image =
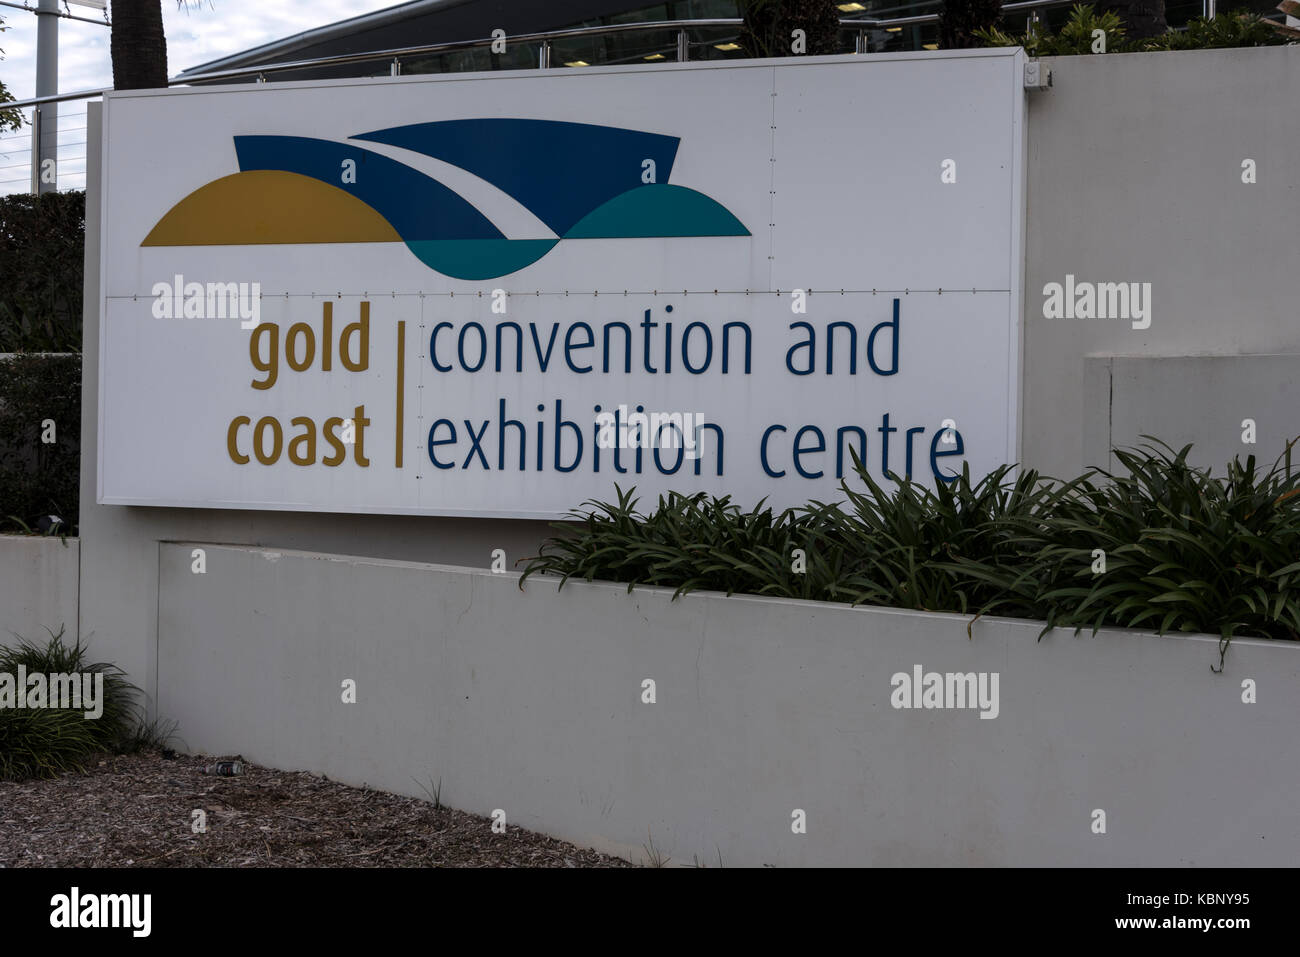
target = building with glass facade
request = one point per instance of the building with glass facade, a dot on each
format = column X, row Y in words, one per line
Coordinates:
column 427, row 22
column 600, row 34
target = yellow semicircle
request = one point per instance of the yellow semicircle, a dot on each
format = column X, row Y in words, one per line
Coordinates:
column 261, row 207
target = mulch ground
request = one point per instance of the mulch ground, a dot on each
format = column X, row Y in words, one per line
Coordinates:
column 137, row 811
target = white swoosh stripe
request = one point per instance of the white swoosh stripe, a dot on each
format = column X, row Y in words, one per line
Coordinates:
column 505, row 212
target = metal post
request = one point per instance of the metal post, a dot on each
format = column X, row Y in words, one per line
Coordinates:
column 397, row 67
column 45, row 137
column 683, row 47
column 544, row 55
column 860, row 42
column 36, row 157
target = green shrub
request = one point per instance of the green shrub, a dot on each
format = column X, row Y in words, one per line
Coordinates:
column 43, row 742
column 1075, row 36
column 42, row 252
column 693, row 541
column 38, row 479
column 9, row 119
column 1239, row 28
column 1184, row 550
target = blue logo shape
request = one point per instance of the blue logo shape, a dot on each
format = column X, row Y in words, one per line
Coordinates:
column 581, row 181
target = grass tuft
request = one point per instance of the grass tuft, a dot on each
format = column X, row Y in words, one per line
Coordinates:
column 45, row 742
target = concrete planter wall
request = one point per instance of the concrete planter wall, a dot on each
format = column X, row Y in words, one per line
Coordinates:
column 38, row 586
column 532, row 702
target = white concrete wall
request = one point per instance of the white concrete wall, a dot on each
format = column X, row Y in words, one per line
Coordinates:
column 1134, row 174
column 1203, row 400
column 531, row 702
column 38, row 586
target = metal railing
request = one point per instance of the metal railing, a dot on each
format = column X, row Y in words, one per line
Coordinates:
column 866, row 33
column 63, row 140
column 28, row 8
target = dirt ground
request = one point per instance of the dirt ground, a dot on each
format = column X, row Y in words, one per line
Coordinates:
column 138, row 811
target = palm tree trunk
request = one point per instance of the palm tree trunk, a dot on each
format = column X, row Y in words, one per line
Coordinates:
column 138, row 45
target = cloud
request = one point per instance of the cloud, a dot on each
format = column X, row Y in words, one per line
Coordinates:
column 201, row 32
column 204, row 31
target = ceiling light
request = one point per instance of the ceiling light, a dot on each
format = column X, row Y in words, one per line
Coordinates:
column 655, row 56
column 577, row 63
column 850, row 7
column 728, row 47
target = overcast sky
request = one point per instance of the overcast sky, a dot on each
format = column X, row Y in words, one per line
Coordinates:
column 206, row 31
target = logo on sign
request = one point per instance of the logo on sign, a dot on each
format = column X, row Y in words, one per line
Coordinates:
column 571, row 181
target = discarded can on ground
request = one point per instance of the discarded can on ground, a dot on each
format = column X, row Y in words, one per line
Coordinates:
column 226, row 769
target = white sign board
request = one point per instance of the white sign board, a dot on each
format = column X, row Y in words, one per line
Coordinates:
column 501, row 294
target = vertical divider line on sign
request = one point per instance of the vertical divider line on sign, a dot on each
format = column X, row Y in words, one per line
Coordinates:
column 401, row 388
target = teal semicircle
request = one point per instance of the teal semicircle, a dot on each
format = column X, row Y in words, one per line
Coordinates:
column 471, row 259
column 657, row 210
